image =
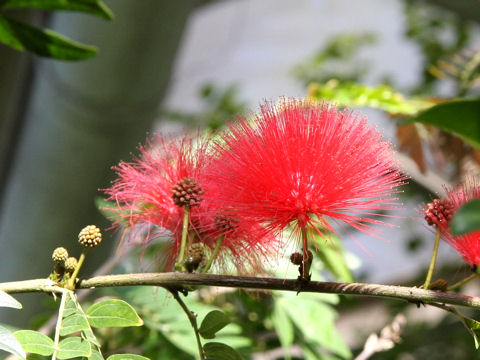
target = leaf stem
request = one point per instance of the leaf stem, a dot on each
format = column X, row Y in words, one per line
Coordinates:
column 462, row 282
column 186, row 215
column 433, row 260
column 214, row 254
column 59, row 324
column 193, row 320
column 71, row 281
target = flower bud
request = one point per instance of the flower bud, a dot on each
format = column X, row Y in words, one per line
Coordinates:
column 60, row 255
column 187, row 193
column 90, row 236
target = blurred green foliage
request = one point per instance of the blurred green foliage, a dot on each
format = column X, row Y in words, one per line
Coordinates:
column 352, row 94
column 438, row 33
column 44, row 42
column 220, row 105
column 335, row 60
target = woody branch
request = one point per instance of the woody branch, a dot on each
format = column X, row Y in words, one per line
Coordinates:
column 173, row 280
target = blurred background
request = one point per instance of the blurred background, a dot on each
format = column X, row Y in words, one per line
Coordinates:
column 166, row 66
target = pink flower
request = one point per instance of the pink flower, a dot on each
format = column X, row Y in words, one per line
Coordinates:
column 149, row 204
column 300, row 164
column 440, row 212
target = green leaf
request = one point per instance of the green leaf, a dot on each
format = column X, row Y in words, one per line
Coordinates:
column 467, row 218
column 35, row 357
column 35, row 342
column 90, row 336
column 460, row 117
column 113, row 312
column 305, row 311
column 473, row 327
column 162, row 313
column 94, row 7
column 96, row 354
column 73, row 347
column 8, row 301
column 127, row 357
column 212, row 323
column 71, row 305
column 330, row 251
column 380, row 97
column 9, row 343
column 42, row 42
column 74, row 323
column 219, row 351
column 282, row 323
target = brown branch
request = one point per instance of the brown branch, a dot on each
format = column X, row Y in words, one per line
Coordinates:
column 169, row 280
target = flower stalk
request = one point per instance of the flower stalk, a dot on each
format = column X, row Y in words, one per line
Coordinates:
column 307, row 257
column 71, row 281
column 462, row 282
column 218, row 244
column 186, row 217
column 433, row 260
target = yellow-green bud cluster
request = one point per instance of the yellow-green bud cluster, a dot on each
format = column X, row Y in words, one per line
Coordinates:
column 60, row 255
column 70, row 264
column 90, row 236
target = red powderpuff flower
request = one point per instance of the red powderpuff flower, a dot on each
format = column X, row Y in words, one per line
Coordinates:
column 300, row 163
column 441, row 211
column 149, row 202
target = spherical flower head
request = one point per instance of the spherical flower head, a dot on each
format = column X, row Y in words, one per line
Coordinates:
column 60, row 255
column 70, row 264
column 90, row 236
column 187, row 192
column 439, row 212
column 467, row 245
column 301, row 163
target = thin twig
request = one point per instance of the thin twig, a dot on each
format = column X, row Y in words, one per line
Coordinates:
column 462, row 282
column 389, row 336
column 192, row 318
column 169, row 280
